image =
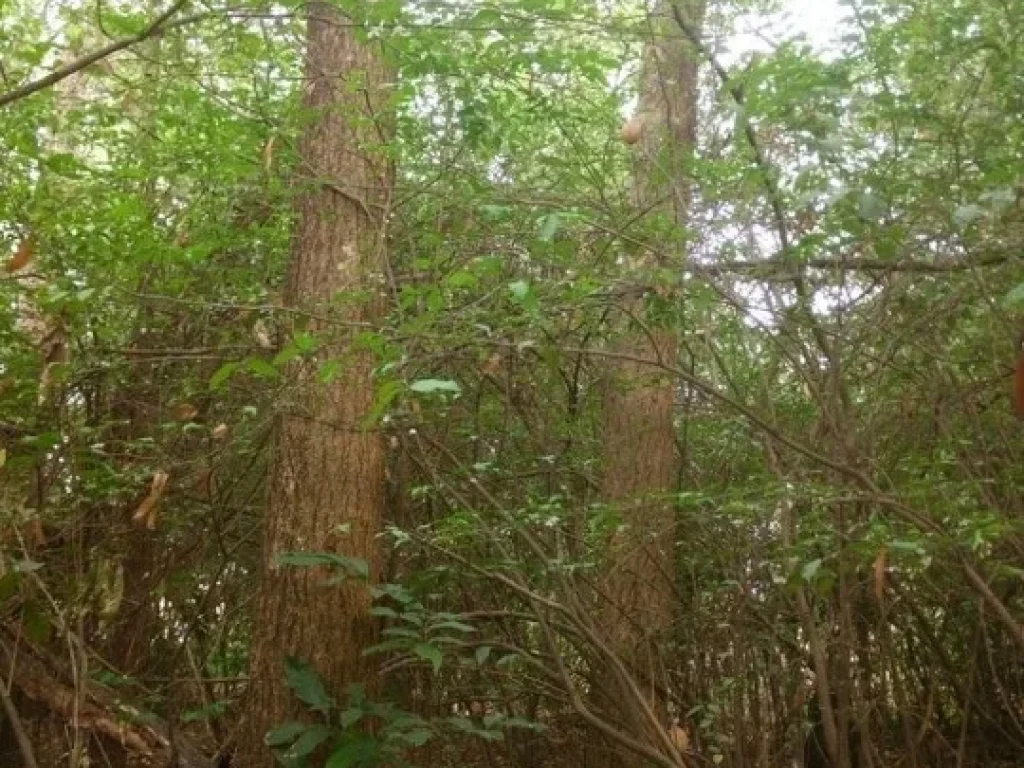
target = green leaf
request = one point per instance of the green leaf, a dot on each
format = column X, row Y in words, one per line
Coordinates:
column 35, row 621
column 458, row 626
column 482, row 653
column 286, row 355
column 352, row 565
column 520, row 289
column 350, row 717
column 306, row 684
column 397, row 644
column 908, row 546
column 385, row 395
column 285, row 733
column 810, row 569
column 261, row 368
column 871, row 207
column 430, row 653
column 461, row 279
column 416, row 737
column 549, row 227
column 9, row 584
column 310, row 739
column 359, row 750
column 329, row 371
column 211, row 711
column 430, row 386
column 1014, row 298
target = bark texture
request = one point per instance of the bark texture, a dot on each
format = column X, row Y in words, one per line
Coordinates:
column 638, row 431
column 327, row 471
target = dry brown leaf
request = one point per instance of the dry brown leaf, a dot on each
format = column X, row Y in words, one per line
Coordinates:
column 23, row 256
column 679, row 737
column 185, row 411
column 632, row 130
column 146, row 512
column 878, row 574
column 219, row 432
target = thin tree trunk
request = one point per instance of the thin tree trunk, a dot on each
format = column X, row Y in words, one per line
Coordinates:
column 327, row 476
column 638, row 430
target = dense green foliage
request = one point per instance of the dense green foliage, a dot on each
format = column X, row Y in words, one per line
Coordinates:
column 847, row 297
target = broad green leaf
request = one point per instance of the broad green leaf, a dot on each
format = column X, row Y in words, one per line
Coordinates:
column 416, row 737
column 307, row 742
column 359, row 750
column 458, row 626
column 350, row 717
column 285, row 733
column 261, row 368
column 429, row 652
column 306, row 684
column 352, row 565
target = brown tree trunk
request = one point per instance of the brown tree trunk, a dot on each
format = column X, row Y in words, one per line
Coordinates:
column 638, row 430
column 327, row 476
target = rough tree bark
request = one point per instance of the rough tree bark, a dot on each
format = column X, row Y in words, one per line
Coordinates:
column 638, row 432
column 327, row 475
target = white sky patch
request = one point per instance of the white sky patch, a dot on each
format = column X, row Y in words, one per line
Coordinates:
column 819, row 21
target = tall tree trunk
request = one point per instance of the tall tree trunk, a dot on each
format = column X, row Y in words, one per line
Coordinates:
column 638, row 431
column 327, row 475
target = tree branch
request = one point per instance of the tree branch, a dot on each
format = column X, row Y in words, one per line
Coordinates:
column 158, row 26
column 782, row 267
column 24, row 743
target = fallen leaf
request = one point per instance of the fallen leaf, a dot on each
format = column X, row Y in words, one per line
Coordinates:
column 219, row 432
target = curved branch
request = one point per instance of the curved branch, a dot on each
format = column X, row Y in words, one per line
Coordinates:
column 156, row 27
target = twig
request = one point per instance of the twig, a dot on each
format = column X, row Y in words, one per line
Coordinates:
column 24, row 745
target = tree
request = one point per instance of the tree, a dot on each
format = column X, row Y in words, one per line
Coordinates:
column 327, row 469
column 638, row 443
